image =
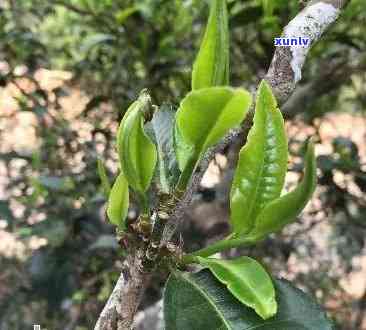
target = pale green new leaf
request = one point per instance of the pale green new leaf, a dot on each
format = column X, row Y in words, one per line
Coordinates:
column 199, row 301
column 211, row 67
column 205, row 116
column 284, row 210
column 247, row 280
column 184, row 151
column 118, row 202
column 122, row 15
column 137, row 153
column 103, row 178
column 262, row 164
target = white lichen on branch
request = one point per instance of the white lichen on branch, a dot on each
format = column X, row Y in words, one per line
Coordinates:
column 285, row 70
column 283, row 75
column 311, row 23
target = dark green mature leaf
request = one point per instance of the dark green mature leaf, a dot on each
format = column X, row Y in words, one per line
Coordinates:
column 262, row 164
column 211, row 67
column 205, row 116
column 118, row 202
column 199, row 301
column 285, row 209
column 163, row 126
column 137, row 153
column 247, row 280
column 103, row 178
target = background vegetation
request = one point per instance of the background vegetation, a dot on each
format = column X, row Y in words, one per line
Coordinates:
column 69, row 69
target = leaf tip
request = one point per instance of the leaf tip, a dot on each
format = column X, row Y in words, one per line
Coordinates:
column 270, row 310
column 246, row 96
column 265, row 92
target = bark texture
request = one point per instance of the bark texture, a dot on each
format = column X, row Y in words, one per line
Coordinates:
column 285, row 70
column 119, row 311
column 283, row 75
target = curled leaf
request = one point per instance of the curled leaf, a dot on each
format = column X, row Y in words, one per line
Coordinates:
column 262, row 164
column 118, row 202
column 247, row 281
column 284, row 210
column 211, row 67
column 137, row 153
column 204, row 117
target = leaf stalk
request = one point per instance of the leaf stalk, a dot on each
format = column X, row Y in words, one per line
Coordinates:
column 217, row 247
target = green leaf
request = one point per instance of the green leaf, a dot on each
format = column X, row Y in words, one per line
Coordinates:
column 284, row 210
column 118, row 202
column 247, row 280
column 205, row 116
column 199, row 301
column 105, row 242
column 95, row 40
column 122, row 15
column 163, row 124
column 103, row 178
column 137, row 153
column 183, row 151
column 262, row 164
column 211, row 67
column 268, row 7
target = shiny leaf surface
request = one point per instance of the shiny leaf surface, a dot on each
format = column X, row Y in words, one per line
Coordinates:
column 247, row 280
column 284, row 210
column 199, row 301
column 118, row 202
column 207, row 115
column 262, row 164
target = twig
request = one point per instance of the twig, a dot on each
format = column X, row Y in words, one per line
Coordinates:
column 286, row 67
column 283, row 75
column 119, row 311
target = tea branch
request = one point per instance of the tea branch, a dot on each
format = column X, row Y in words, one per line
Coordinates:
column 287, row 63
column 283, row 75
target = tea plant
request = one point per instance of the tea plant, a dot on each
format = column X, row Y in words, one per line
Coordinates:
column 159, row 151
